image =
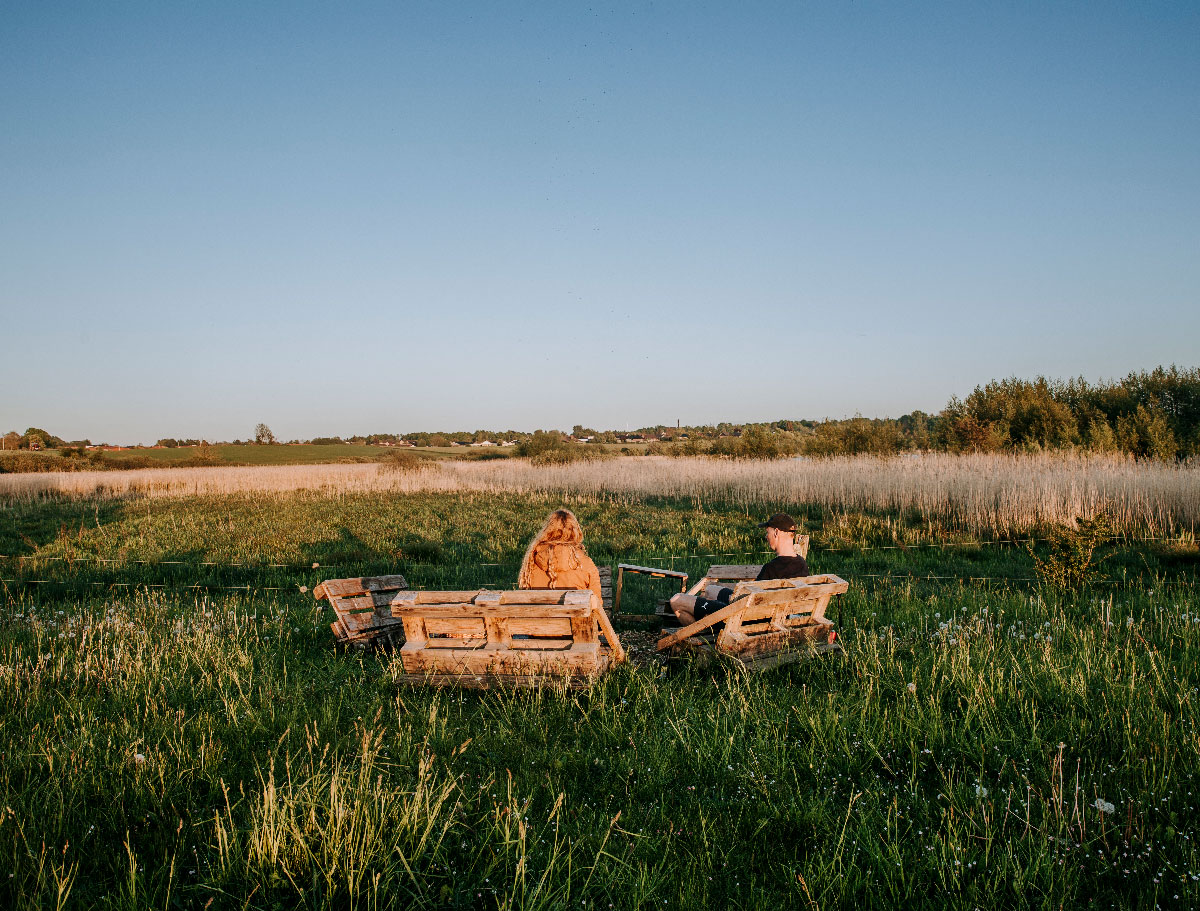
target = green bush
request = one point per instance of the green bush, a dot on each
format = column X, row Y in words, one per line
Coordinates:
column 1072, row 561
column 541, row 441
column 23, row 461
column 549, row 448
column 403, row 461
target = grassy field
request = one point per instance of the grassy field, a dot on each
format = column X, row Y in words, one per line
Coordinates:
column 299, row 454
column 178, row 732
column 310, row 454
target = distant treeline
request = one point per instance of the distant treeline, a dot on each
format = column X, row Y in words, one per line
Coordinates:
column 1153, row 415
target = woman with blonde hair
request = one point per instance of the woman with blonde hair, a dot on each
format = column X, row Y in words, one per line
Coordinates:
column 556, row 558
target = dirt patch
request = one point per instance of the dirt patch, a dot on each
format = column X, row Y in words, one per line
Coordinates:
column 640, row 645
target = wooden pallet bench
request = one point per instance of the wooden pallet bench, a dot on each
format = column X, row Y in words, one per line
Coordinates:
column 651, row 571
column 363, row 608
column 765, row 623
column 516, row 638
column 732, row 573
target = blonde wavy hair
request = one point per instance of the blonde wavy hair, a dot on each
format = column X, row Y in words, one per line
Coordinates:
column 562, row 528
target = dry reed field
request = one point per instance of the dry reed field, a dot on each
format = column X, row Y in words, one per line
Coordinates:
column 1004, row 494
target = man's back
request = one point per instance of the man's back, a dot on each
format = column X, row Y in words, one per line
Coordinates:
column 783, row 568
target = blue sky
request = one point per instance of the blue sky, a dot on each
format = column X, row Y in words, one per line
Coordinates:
column 341, row 218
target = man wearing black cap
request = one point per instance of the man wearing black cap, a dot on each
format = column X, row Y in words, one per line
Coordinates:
column 781, row 538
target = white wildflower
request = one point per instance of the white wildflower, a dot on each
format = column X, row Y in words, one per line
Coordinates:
column 1104, row 806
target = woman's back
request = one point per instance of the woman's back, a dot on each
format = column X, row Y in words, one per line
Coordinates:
column 556, row 557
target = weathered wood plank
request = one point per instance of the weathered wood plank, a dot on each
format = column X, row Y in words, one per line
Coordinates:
column 456, row 642
column 469, row 627
column 499, row 681
column 343, row 587
column 492, row 660
column 540, row 626
column 542, row 642
column 472, row 610
column 739, row 573
column 610, row 636
column 535, row 596
column 653, row 571
column 606, row 586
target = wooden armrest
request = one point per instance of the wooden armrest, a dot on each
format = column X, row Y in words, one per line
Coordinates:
column 700, row 625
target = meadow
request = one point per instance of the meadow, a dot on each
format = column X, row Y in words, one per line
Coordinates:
column 227, row 454
column 1003, row 494
column 179, row 732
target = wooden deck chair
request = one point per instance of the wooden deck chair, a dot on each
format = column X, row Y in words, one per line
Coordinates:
column 765, row 623
column 362, row 608
column 519, row 638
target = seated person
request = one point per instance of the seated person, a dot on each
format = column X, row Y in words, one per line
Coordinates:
column 556, row 558
column 781, row 538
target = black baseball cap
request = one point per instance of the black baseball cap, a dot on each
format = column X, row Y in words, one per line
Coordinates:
column 780, row 520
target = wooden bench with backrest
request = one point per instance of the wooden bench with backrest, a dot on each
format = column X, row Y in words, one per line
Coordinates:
column 363, row 608
column 522, row 638
column 733, row 573
column 765, row 623
column 741, row 573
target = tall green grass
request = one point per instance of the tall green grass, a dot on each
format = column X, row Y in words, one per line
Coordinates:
column 983, row 743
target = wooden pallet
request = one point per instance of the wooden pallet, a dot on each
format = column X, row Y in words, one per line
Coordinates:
column 732, row 574
column 606, row 586
column 518, row 638
column 765, row 623
column 363, row 607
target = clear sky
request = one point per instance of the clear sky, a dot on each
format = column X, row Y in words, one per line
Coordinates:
column 384, row 217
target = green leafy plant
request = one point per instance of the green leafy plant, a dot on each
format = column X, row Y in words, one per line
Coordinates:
column 403, row 461
column 1072, row 561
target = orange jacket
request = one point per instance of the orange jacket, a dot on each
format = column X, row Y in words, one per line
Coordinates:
column 560, row 566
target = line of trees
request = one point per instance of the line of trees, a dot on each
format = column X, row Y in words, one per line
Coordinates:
column 35, row 438
column 1149, row 414
column 1153, row 414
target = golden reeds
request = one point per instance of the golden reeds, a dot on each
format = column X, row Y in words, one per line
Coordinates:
column 1002, row 493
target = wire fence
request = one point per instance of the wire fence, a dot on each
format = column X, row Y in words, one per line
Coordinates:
column 672, row 559
column 875, row 577
column 367, row 558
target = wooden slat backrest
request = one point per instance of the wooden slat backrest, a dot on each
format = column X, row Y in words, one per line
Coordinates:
column 741, row 572
column 775, row 610
column 784, row 604
column 362, row 605
column 505, row 632
column 337, row 588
